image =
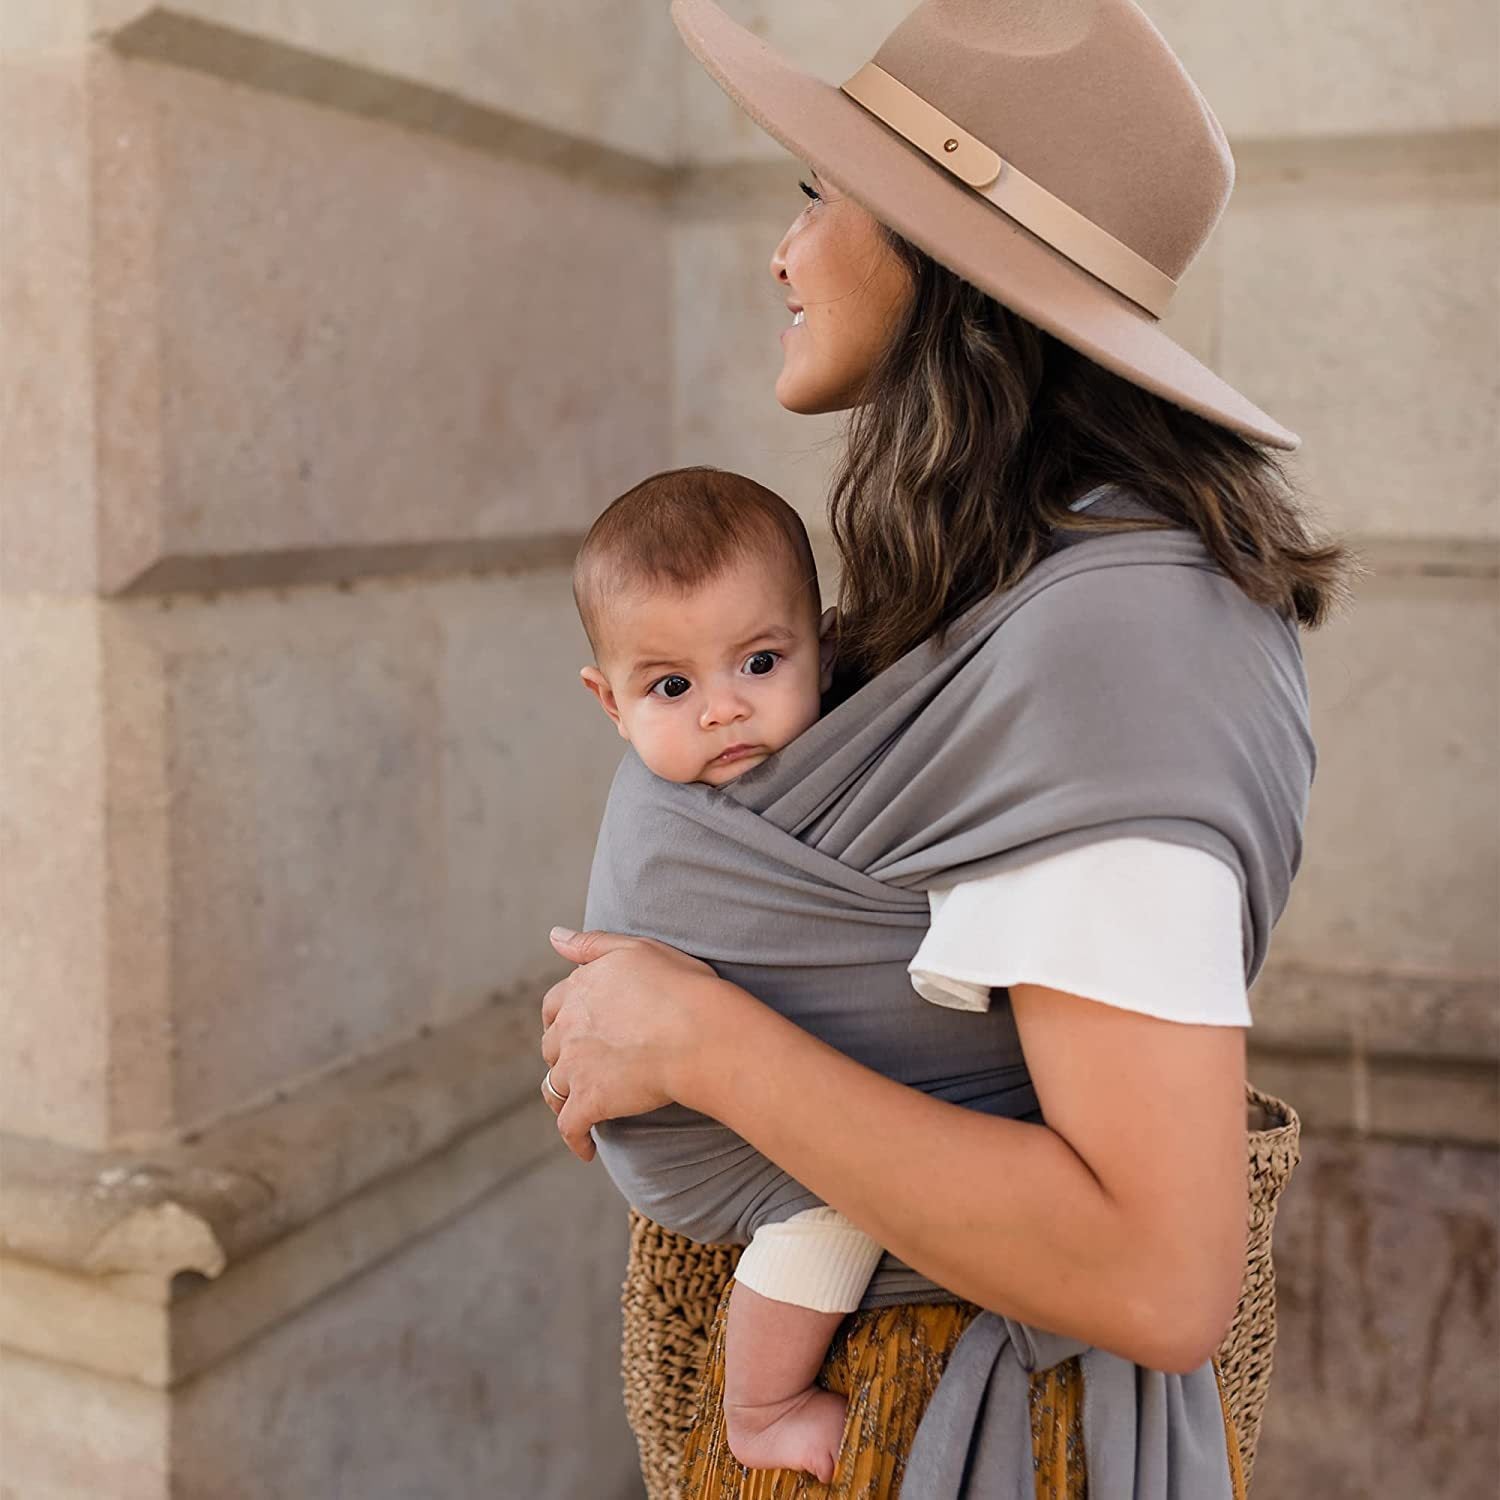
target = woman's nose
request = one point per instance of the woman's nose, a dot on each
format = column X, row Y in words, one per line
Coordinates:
column 778, row 259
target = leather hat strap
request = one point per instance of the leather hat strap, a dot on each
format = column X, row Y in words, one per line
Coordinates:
column 1028, row 203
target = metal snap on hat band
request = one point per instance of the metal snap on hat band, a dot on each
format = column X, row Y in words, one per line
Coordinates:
column 1030, row 204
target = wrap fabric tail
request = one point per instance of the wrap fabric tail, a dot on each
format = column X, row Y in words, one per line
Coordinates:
column 1135, row 1423
column 1125, row 687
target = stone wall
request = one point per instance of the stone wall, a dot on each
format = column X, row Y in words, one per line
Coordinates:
column 320, row 352
column 305, row 406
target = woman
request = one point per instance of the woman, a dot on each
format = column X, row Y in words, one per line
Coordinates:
column 992, row 327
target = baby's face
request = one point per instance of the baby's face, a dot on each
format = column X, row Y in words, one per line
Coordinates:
column 707, row 684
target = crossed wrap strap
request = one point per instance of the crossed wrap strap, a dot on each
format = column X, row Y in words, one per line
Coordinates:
column 1125, row 687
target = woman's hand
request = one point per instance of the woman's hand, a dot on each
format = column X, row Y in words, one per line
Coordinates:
column 621, row 1028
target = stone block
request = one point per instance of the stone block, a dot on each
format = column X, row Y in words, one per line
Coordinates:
column 46, row 381
column 1360, row 306
column 317, row 803
column 727, row 351
column 1451, row 1102
column 54, row 1026
column 359, row 338
column 528, row 756
column 298, row 828
column 599, row 72
column 482, row 1360
column 1386, row 1363
column 31, row 29
column 1400, row 870
column 1288, row 69
column 66, row 1432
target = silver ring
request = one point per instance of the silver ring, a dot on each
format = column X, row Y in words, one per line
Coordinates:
column 551, row 1089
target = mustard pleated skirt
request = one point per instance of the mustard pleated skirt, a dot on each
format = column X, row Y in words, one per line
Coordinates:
column 887, row 1363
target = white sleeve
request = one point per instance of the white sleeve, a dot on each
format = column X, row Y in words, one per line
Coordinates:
column 815, row 1259
column 1137, row 923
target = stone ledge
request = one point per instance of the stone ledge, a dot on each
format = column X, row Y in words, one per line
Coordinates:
column 300, row 567
column 1331, row 160
column 154, row 1210
column 1410, row 1018
column 153, row 1264
column 168, row 36
column 1391, row 1056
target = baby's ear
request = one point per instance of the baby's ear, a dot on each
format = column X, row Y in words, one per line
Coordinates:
column 827, row 648
column 598, row 684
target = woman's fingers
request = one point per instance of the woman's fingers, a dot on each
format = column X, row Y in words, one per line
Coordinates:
column 552, row 1002
column 553, row 1104
column 573, row 1125
column 585, row 947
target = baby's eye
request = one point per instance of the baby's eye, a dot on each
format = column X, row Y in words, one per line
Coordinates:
column 670, row 687
column 811, row 192
column 762, row 662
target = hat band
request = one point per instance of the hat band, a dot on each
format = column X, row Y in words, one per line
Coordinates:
column 1069, row 232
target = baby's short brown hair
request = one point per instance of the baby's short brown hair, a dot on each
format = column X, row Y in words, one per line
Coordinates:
column 679, row 530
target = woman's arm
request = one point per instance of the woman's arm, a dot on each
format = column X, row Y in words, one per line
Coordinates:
column 1121, row 1221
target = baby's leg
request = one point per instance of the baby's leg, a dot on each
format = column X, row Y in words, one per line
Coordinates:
column 775, row 1417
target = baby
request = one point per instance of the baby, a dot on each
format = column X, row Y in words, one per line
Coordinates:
column 699, row 596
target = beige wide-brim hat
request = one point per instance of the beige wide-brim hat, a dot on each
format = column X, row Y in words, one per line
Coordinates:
column 1054, row 153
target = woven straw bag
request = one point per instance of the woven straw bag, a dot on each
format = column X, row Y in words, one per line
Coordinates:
column 673, row 1286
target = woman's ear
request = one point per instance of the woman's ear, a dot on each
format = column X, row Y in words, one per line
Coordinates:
column 598, row 684
column 827, row 648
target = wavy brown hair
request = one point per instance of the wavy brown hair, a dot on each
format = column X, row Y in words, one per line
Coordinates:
column 977, row 428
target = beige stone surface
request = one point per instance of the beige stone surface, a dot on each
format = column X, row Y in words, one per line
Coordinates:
column 434, row 349
column 462, row 1363
column 318, row 808
column 30, row 29
column 1284, row 68
column 1275, row 70
column 67, row 1433
column 602, row 72
column 726, row 347
column 54, row 1023
column 398, row 1125
column 46, row 257
column 1386, row 1364
column 482, row 1360
column 1360, row 305
column 53, row 1315
column 527, row 758
column 301, row 823
column 1399, row 869
column 1378, row 1012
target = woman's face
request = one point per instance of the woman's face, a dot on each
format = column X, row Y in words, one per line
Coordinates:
column 836, row 269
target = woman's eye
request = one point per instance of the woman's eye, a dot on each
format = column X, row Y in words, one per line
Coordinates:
column 670, row 687
column 762, row 662
column 811, row 192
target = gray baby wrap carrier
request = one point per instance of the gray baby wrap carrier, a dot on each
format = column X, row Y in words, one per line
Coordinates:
column 1125, row 687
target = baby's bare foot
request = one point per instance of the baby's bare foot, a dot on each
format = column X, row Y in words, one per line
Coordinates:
column 802, row 1432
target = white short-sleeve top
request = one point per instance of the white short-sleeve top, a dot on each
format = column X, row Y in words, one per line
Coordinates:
column 1138, row 923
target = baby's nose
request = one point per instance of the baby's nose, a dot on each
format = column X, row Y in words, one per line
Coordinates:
column 724, row 706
